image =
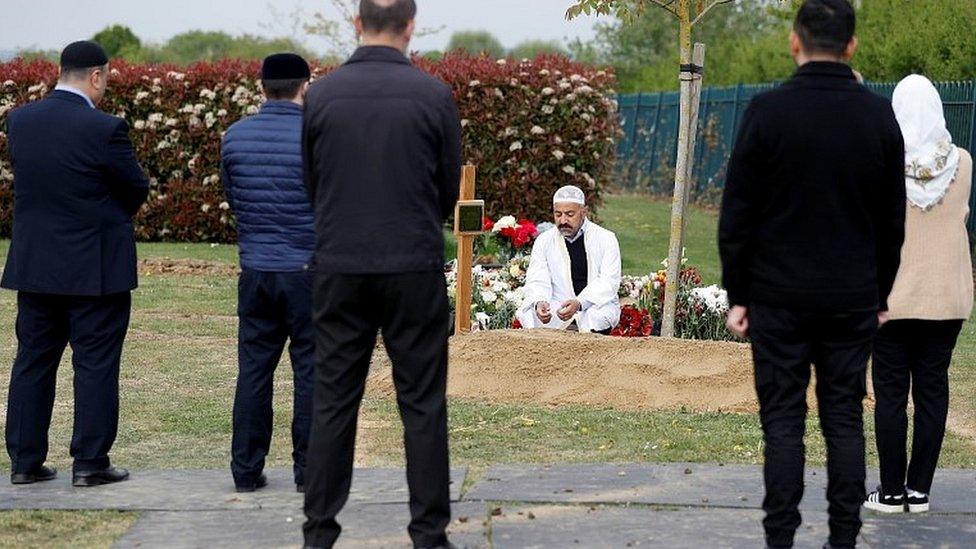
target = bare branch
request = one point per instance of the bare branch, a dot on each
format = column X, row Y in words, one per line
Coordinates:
column 667, row 5
column 708, row 9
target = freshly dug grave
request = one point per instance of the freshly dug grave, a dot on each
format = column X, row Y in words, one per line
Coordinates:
column 165, row 265
column 546, row 367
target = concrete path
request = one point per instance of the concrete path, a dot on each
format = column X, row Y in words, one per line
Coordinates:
column 558, row 506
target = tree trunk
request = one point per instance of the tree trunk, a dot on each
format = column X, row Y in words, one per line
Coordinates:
column 679, row 199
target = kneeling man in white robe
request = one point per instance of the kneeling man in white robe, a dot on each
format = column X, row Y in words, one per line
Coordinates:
column 574, row 272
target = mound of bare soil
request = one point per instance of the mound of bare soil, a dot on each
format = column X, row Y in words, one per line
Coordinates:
column 548, row 367
column 165, row 265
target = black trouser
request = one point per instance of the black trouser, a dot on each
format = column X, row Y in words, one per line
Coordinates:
column 412, row 312
column 916, row 354
column 95, row 327
column 273, row 308
column 784, row 344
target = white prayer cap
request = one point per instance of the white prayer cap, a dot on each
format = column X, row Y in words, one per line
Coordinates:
column 570, row 193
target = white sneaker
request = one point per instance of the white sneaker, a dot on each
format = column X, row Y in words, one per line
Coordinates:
column 881, row 503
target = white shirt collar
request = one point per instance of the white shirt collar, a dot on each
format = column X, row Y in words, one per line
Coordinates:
column 76, row 91
column 579, row 233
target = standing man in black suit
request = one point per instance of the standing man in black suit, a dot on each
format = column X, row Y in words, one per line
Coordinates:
column 382, row 149
column 810, row 236
column 72, row 260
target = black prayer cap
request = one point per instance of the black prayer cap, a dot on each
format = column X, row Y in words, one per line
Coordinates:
column 83, row 55
column 284, row 66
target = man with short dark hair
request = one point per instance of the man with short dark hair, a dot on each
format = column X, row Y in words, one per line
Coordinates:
column 810, row 236
column 382, row 151
column 261, row 167
column 72, row 260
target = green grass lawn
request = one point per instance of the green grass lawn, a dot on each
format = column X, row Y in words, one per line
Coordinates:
column 643, row 227
column 179, row 371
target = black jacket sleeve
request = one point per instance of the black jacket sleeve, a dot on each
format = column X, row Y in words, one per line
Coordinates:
column 889, row 218
column 449, row 166
column 308, row 146
column 128, row 182
column 225, row 180
column 740, row 209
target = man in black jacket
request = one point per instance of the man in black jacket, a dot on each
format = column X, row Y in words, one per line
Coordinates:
column 810, row 235
column 382, row 150
column 72, row 260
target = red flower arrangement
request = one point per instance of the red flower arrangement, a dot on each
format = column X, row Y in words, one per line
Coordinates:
column 521, row 234
column 634, row 322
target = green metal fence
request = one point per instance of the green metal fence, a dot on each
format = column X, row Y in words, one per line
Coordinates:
column 650, row 122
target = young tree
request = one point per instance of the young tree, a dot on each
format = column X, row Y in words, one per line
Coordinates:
column 688, row 13
column 745, row 45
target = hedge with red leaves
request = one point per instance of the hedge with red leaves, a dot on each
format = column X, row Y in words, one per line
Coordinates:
column 529, row 127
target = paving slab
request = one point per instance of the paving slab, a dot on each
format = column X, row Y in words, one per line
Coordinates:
column 544, row 526
column 735, row 486
column 953, row 491
column 919, row 531
column 681, row 484
column 561, row 526
column 364, row 525
column 201, row 490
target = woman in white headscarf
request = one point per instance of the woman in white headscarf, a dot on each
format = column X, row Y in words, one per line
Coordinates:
column 932, row 297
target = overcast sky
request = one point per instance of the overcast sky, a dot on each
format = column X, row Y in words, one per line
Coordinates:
column 51, row 24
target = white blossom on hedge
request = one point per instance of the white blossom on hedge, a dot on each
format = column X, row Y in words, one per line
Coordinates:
column 516, row 146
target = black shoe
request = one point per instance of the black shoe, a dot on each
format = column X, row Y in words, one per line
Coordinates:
column 82, row 479
column 447, row 545
column 40, row 474
column 300, row 488
column 259, row 483
column 918, row 504
column 882, row 503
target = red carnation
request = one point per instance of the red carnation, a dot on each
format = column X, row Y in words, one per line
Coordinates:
column 634, row 322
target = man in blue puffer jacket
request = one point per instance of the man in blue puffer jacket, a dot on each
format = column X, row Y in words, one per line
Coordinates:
column 261, row 167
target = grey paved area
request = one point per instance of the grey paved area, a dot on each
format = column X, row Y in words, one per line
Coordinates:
column 363, row 525
column 601, row 505
column 618, row 526
column 736, row 486
column 200, row 490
